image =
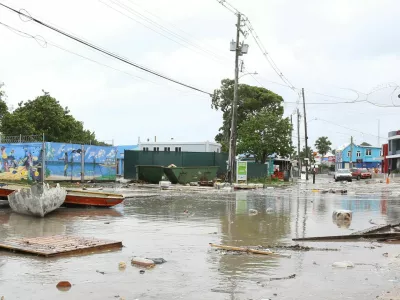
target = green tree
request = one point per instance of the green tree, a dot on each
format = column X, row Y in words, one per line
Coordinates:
column 265, row 133
column 323, row 145
column 306, row 154
column 3, row 104
column 46, row 115
column 252, row 99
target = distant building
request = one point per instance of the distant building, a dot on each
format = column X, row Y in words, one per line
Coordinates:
column 361, row 157
column 393, row 156
column 173, row 146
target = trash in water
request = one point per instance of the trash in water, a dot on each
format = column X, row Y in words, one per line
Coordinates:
column 122, row 265
column 269, row 209
column 343, row 264
column 100, row 272
column 157, row 261
column 253, row 212
column 143, row 262
column 141, row 271
column 282, row 278
column 385, row 254
column 64, row 286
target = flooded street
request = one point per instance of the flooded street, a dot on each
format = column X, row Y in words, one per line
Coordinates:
column 178, row 226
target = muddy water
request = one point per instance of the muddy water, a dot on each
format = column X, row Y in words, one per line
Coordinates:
column 180, row 226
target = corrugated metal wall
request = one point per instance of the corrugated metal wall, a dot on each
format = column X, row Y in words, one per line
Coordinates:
column 180, row 159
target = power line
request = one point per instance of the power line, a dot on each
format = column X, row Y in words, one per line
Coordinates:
column 105, row 51
column 47, row 42
column 176, row 37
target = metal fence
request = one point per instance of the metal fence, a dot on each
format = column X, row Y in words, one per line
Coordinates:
column 134, row 158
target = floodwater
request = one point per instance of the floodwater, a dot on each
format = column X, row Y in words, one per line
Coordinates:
column 178, row 226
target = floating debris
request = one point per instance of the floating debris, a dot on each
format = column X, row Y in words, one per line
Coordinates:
column 283, row 278
column 143, row 262
column 248, row 250
column 64, row 286
column 343, row 264
column 122, row 265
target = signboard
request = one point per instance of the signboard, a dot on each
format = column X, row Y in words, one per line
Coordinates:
column 241, row 171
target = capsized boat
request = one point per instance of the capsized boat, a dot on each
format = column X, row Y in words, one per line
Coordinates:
column 88, row 198
column 37, row 200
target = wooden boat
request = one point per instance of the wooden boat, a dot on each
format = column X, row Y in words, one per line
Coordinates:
column 7, row 189
column 37, row 200
column 88, row 198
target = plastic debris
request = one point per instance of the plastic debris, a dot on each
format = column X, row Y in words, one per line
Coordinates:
column 269, row 209
column 157, row 261
column 343, row 264
column 122, row 265
column 253, row 212
column 143, row 262
column 141, row 271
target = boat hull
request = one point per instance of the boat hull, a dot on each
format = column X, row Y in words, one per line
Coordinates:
column 37, row 200
column 83, row 198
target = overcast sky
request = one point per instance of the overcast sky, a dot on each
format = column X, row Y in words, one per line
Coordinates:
column 327, row 47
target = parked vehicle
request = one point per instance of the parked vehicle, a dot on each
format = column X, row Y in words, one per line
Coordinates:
column 343, row 175
column 361, row 174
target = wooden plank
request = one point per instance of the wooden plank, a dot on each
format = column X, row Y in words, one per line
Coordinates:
column 376, row 229
column 350, row 237
column 58, row 245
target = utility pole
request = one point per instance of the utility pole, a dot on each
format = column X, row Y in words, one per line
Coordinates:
column 379, row 133
column 298, row 142
column 351, row 152
column 305, row 131
column 233, row 138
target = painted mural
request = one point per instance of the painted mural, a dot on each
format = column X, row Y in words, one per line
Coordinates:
column 63, row 162
column 21, row 161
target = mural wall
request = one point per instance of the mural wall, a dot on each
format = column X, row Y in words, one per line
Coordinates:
column 63, row 162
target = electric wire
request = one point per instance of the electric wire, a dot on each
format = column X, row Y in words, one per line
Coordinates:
column 111, row 54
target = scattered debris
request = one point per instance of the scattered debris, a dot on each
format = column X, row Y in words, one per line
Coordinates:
column 141, row 271
column 64, row 286
column 378, row 228
column 57, row 245
column 342, row 214
column 385, row 254
column 122, row 265
column 269, row 209
column 157, row 261
column 253, row 212
column 106, row 222
column 343, row 264
column 143, row 262
column 372, row 236
column 248, row 250
column 298, row 247
column 100, row 272
column 283, row 278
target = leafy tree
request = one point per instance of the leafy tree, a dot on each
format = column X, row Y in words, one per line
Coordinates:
column 251, row 100
column 3, row 104
column 323, row 145
column 265, row 133
column 46, row 115
column 306, row 154
column 334, row 151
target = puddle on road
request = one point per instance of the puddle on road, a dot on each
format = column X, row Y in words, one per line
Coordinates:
column 179, row 228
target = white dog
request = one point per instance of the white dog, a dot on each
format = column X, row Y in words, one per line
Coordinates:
column 342, row 214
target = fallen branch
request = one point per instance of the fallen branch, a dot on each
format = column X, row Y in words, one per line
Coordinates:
column 247, row 250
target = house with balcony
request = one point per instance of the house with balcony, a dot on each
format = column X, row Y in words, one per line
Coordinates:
column 362, row 156
column 393, row 157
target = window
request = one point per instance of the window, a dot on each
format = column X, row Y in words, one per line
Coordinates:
column 348, row 153
column 178, row 149
column 145, row 148
column 156, row 149
column 358, row 153
column 167, row 149
column 218, row 150
column 368, row 152
column 380, row 153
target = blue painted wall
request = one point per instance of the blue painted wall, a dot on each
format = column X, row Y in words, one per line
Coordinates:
column 369, row 161
column 63, row 162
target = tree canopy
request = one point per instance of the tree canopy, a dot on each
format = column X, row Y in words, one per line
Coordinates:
column 263, row 134
column 323, row 145
column 46, row 115
column 306, row 154
column 251, row 100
